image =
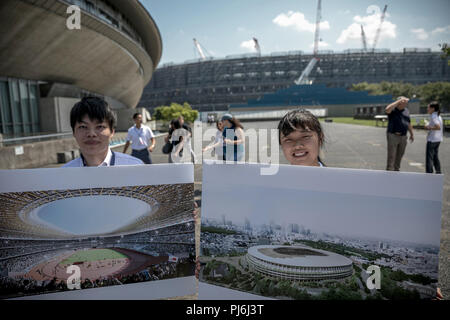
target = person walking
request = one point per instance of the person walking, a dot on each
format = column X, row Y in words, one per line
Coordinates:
column 217, row 144
column 233, row 139
column 140, row 137
column 399, row 123
column 181, row 139
column 188, row 145
column 435, row 129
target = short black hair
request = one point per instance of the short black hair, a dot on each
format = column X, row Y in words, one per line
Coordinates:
column 136, row 115
column 435, row 105
column 95, row 108
column 302, row 119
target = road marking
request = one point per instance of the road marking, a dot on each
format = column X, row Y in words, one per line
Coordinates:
column 416, row 164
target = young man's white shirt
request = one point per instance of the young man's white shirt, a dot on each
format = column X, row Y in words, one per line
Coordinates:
column 140, row 138
column 120, row 159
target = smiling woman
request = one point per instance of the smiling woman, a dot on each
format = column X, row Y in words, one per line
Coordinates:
column 90, row 215
column 301, row 137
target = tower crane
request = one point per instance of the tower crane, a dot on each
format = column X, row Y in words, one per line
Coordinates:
column 363, row 36
column 377, row 35
column 199, row 49
column 257, row 47
column 303, row 79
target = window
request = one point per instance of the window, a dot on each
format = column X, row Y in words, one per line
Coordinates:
column 17, row 117
column 34, row 108
column 5, row 111
column 18, row 107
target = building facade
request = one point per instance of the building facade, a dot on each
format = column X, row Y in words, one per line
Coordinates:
column 45, row 67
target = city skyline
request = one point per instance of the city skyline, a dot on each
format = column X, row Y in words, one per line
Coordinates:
column 356, row 215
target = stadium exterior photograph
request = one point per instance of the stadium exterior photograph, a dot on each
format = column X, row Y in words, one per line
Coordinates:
column 112, row 234
column 308, row 238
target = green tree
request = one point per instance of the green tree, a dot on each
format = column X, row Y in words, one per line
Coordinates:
column 433, row 91
column 175, row 110
column 446, row 50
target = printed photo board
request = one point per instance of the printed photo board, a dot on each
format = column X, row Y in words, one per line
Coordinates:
column 319, row 233
column 123, row 232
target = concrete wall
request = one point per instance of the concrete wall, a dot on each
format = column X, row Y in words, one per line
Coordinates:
column 34, row 155
column 339, row 110
column 55, row 114
column 125, row 118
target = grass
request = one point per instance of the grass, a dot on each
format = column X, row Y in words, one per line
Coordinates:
column 371, row 123
column 350, row 120
column 93, row 255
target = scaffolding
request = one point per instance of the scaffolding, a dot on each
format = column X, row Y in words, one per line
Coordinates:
column 214, row 84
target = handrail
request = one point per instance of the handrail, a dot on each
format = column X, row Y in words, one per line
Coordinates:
column 37, row 137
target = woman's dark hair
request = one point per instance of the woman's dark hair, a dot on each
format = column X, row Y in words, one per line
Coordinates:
column 236, row 123
column 435, row 105
column 300, row 119
column 95, row 108
column 176, row 124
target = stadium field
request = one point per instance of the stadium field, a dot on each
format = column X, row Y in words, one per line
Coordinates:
column 93, row 255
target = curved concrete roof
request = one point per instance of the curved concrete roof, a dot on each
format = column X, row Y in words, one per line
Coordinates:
column 328, row 259
column 35, row 44
column 144, row 25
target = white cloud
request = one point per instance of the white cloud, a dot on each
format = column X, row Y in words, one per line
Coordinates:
column 297, row 21
column 322, row 44
column 371, row 22
column 441, row 30
column 420, row 33
column 248, row 45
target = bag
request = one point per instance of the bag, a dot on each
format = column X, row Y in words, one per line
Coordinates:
column 167, row 148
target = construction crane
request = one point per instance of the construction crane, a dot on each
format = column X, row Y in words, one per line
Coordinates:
column 377, row 35
column 304, row 77
column 257, row 47
column 363, row 37
column 199, row 49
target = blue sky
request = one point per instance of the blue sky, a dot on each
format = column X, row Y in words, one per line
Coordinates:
column 226, row 27
column 91, row 214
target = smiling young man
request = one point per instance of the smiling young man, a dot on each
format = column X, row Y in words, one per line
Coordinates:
column 93, row 125
column 301, row 137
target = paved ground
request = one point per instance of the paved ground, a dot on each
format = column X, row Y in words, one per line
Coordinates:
column 363, row 147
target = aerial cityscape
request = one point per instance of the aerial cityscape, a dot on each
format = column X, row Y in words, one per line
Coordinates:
column 223, row 238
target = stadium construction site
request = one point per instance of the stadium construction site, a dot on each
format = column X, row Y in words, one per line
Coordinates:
column 34, row 258
column 216, row 83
